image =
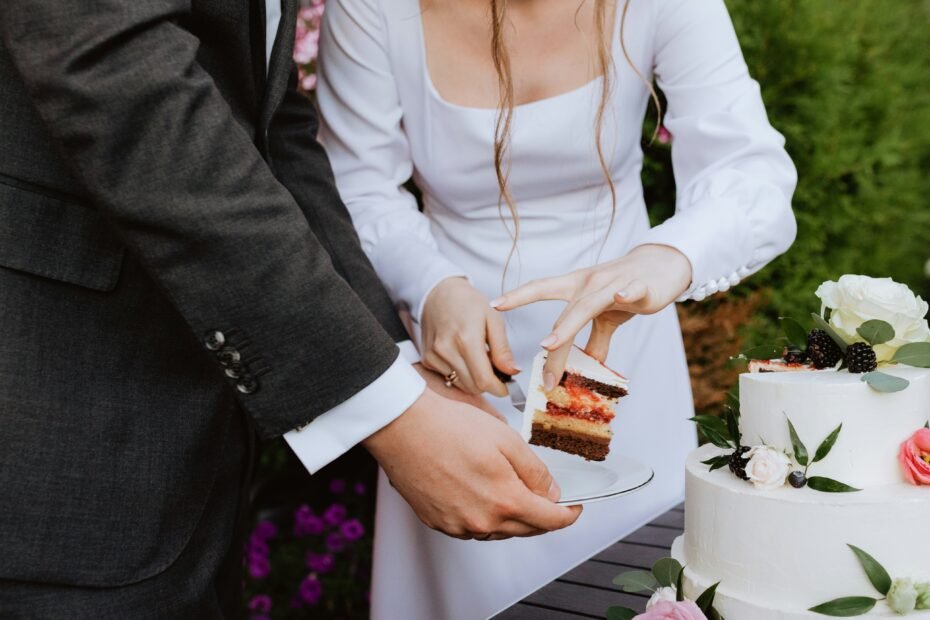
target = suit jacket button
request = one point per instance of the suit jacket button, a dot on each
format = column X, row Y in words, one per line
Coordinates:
column 247, row 384
column 235, row 370
column 214, row 340
column 228, row 356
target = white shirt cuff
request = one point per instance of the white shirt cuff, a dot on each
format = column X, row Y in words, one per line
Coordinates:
column 335, row 432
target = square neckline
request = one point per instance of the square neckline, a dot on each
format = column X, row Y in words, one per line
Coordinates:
column 437, row 96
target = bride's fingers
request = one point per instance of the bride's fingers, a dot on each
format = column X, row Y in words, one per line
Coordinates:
column 555, row 366
column 559, row 287
column 444, row 360
column 501, row 354
column 480, row 372
column 576, row 316
column 631, row 295
column 601, row 332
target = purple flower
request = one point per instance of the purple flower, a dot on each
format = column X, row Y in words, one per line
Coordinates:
column 352, row 530
column 360, row 488
column 257, row 547
column 311, row 590
column 335, row 542
column 320, row 562
column 259, row 567
column 265, row 530
column 337, row 485
column 335, row 514
column 260, row 602
column 306, row 523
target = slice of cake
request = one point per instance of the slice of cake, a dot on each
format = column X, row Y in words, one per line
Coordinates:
column 575, row 415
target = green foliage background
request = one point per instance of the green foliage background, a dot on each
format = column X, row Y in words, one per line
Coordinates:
column 848, row 84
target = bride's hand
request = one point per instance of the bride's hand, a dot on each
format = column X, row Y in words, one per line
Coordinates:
column 458, row 328
column 644, row 281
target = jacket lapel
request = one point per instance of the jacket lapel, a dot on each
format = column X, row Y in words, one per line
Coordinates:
column 280, row 64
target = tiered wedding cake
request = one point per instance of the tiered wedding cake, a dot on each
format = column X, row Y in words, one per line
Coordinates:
column 818, row 495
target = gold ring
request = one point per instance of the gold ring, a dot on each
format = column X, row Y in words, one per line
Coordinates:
column 451, row 378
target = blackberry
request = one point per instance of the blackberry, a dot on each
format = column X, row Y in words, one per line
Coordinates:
column 822, row 350
column 738, row 462
column 794, row 355
column 797, row 479
column 860, row 357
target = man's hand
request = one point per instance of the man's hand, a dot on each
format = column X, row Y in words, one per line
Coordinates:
column 437, row 383
column 466, row 474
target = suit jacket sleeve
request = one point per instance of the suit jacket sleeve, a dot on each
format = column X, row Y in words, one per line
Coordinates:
column 301, row 165
column 150, row 137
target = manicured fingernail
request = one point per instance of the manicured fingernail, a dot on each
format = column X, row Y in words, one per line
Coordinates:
column 621, row 294
column 554, row 492
column 494, row 303
column 517, row 369
column 548, row 341
column 548, row 381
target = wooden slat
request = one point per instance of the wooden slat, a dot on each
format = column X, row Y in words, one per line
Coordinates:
column 525, row 611
column 596, row 574
column 651, row 535
column 671, row 519
column 630, row 554
column 581, row 599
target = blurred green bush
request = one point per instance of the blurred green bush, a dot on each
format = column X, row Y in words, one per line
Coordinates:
column 848, row 84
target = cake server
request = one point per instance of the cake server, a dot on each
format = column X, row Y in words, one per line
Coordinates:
column 517, row 397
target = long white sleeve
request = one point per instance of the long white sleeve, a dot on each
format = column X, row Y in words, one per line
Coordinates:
column 734, row 179
column 361, row 128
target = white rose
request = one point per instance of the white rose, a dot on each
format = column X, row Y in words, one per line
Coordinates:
column 667, row 593
column 857, row 299
column 767, row 467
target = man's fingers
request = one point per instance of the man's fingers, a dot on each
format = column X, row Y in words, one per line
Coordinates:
column 536, row 290
column 530, row 469
column 544, row 514
column 501, row 354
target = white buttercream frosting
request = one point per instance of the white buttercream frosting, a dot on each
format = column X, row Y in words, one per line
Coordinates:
column 874, row 423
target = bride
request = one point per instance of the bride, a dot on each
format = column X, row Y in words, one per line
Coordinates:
column 520, row 122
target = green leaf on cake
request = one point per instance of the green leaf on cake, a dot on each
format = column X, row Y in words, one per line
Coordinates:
column 717, row 462
column 666, row 571
column 883, row 382
column 713, row 614
column 706, row 600
column 636, row 581
column 795, row 332
column 846, row 606
column 620, row 613
column 822, row 324
column 913, row 354
column 762, row 352
column 876, row 332
column 732, row 421
column 875, row 571
column 714, row 429
column 800, row 451
column 827, row 444
column 680, row 585
column 828, row 485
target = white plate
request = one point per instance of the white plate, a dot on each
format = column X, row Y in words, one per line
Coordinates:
column 585, row 482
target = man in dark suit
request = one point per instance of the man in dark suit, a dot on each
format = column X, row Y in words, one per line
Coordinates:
column 177, row 276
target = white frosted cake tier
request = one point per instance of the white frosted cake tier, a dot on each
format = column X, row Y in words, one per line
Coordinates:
column 874, row 423
column 777, row 553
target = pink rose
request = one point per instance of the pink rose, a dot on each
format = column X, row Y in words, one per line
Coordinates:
column 672, row 610
column 914, row 457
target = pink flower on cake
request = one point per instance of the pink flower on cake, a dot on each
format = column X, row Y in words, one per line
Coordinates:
column 672, row 610
column 914, row 457
column 667, row 593
column 767, row 468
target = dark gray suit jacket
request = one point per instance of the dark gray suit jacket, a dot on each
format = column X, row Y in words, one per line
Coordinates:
column 173, row 251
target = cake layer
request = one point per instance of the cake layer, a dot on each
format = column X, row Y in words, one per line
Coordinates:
column 786, row 549
column 733, row 606
column 874, row 423
column 579, row 426
column 590, row 447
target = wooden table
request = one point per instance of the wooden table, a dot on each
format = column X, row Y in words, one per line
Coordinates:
column 586, row 591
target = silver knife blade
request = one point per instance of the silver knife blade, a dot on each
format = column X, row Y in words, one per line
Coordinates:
column 517, row 397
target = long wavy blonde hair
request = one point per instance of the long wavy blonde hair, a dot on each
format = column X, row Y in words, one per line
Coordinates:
column 502, row 130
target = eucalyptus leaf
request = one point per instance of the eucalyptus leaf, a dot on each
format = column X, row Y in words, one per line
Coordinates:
column 714, row 429
column 636, row 581
column 827, row 444
column 666, row 571
column 620, row 613
column 706, row 600
column 927, row 424
column 795, row 332
column 680, row 585
column 829, row 485
column 733, row 401
column 717, row 462
column 800, row 451
column 876, row 331
column 822, row 324
column 883, row 382
column 875, row 571
column 713, row 614
column 717, row 439
column 913, row 354
column 846, row 607
column 732, row 424
column 762, row 352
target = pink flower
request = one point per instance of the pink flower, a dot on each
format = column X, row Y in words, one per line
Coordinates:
column 663, row 136
column 308, row 82
column 914, row 457
column 672, row 610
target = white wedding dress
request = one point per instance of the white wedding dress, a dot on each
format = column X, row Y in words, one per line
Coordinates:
column 383, row 122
